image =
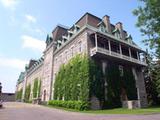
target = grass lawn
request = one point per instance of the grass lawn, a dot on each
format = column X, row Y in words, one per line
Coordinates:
column 149, row 110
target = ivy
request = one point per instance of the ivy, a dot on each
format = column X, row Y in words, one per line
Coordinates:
column 35, row 88
column 39, row 88
column 81, row 78
column 27, row 93
column 78, row 80
column 19, row 95
column 115, row 84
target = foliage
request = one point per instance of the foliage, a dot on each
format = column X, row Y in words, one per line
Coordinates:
column 115, row 84
column 27, row 93
column 149, row 23
column 156, row 80
column 96, row 81
column 83, row 78
column 35, row 88
column 150, row 81
column 19, row 95
column 79, row 105
column 129, row 84
column 113, row 87
column 80, row 79
column 72, row 81
column 39, row 88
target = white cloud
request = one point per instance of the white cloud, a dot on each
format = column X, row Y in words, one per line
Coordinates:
column 30, row 18
column 9, row 3
column 33, row 43
column 12, row 63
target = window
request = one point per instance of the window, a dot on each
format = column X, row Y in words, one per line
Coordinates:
column 66, row 55
column 102, row 28
column 121, row 70
column 71, row 51
column 80, row 46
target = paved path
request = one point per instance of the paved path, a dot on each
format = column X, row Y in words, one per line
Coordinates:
column 23, row 111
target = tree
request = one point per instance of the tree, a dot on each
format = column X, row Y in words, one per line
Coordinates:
column 150, row 81
column 149, row 23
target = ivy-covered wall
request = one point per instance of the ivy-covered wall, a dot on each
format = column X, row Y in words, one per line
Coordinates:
column 35, row 88
column 39, row 88
column 82, row 78
column 19, row 95
column 27, row 93
column 119, row 84
column 78, row 80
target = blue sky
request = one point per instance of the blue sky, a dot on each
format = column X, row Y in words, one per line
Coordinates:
column 24, row 25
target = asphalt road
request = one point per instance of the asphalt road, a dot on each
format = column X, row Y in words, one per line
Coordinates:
column 23, row 111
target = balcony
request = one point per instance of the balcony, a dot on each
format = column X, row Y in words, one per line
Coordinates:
column 96, row 50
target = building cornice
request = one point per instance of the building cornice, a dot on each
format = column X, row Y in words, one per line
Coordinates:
column 98, row 31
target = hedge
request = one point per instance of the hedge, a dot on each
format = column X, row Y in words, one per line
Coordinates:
column 79, row 105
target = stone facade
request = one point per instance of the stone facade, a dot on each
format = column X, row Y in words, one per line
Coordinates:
column 95, row 37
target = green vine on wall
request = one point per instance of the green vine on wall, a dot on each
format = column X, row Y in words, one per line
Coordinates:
column 81, row 78
column 78, row 80
column 39, row 88
column 27, row 93
column 19, row 95
column 35, row 88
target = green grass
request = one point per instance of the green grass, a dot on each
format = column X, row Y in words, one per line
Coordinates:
column 149, row 110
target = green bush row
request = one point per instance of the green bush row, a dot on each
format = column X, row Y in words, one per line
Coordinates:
column 78, row 105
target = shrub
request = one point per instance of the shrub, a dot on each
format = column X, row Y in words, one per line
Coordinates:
column 78, row 105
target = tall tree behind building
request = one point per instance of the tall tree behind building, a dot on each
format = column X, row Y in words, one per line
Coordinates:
column 148, row 20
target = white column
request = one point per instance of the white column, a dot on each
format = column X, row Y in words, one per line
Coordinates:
column 138, row 55
column 120, row 48
column 96, row 40
column 109, row 43
column 137, row 85
column 130, row 53
column 144, row 57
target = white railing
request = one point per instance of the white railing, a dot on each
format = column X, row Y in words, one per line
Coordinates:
column 114, row 54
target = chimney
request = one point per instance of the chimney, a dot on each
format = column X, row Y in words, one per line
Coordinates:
column 120, row 28
column 107, row 23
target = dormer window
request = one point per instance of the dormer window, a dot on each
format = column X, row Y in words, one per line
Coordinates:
column 59, row 43
column 70, row 33
column 102, row 27
column 76, row 28
column 129, row 39
column 116, row 33
column 49, row 39
column 65, row 38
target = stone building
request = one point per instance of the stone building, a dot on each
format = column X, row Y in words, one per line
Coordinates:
column 102, row 41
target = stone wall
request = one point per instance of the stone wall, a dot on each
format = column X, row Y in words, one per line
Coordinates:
column 47, row 74
column 37, row 73
column 76, row 46
column 8, row 97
